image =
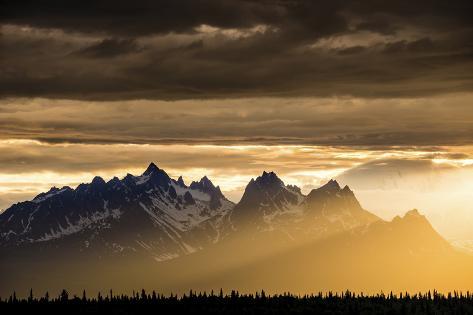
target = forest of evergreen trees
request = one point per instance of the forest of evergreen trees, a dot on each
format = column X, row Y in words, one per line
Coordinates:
column 234, row 303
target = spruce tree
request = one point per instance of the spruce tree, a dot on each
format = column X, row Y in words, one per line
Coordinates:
column 30, row 297
column 64, row 297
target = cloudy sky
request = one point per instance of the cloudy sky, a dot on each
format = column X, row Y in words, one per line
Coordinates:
column 377, row 94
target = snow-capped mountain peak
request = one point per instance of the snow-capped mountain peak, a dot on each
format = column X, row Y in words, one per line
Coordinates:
column 150, row 211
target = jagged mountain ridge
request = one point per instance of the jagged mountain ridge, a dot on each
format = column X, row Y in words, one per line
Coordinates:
column 150, row 212
column 165, row 218
column 268, row 204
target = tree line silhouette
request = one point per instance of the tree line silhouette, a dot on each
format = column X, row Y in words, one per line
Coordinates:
column 142, row 302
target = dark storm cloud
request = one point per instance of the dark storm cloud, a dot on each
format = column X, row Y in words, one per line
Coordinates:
column 136, row 18
column 110, row 47
column 214, row 49
column 422, row 44
column 132, row 18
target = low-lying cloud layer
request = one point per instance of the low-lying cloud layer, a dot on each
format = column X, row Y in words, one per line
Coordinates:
column 430, row 121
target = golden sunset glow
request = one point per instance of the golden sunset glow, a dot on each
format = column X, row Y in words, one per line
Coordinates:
column 291, row 146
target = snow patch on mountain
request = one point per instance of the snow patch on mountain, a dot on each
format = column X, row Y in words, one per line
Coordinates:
column 196, row 194
column 30, row 218
column 143, row 179
column 285, row 208
column 53, row 192
column 94, row 219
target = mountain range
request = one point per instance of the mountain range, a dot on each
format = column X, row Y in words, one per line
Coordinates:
column 152, row 230
column 150, row 212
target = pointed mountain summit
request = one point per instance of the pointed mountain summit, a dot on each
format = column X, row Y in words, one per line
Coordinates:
column 329, row 190
column 98, row 181
column 206, row 185
column 412, row 217
column 413, row 213
column 180, row 182
column 331, row 200
column 153, row 176
column 269, row 179
column 152, row 168
column 267, row 183
column 263, row 196
column 331, row 186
